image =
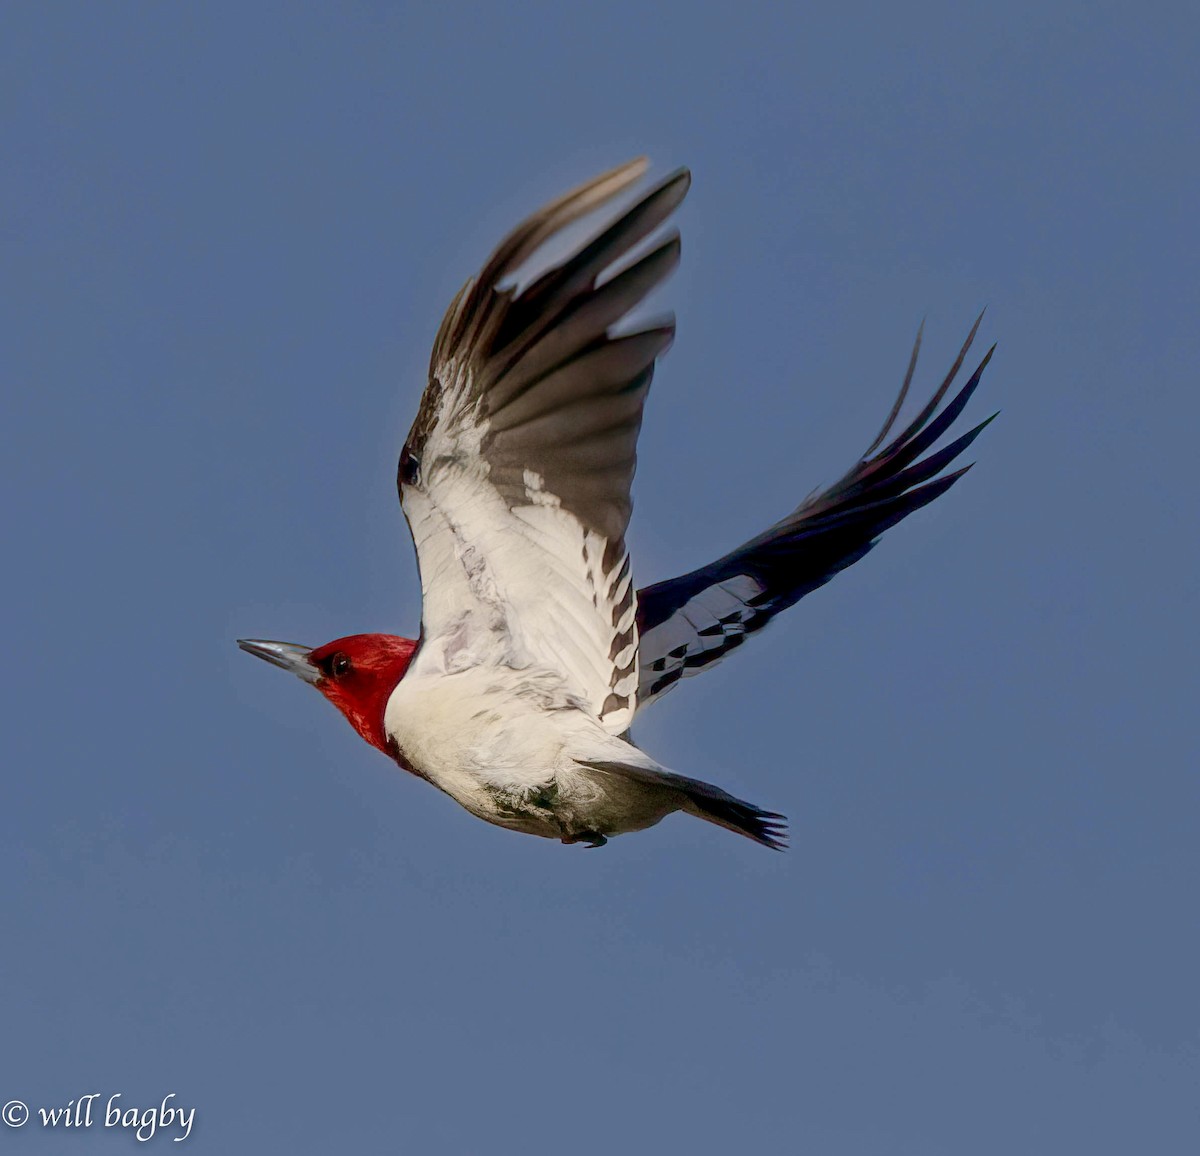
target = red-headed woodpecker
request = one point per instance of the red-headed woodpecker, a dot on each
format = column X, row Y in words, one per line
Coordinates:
column 536, row 649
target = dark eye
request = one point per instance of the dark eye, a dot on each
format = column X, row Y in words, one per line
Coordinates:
column 410, row 467
column 339, row 664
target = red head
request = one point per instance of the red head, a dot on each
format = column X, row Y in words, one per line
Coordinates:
column 356, row 673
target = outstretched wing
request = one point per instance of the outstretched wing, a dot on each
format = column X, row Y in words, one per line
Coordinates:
column 689, row 624
column 515, row 476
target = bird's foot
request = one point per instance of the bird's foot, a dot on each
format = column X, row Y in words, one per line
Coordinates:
column 591, row 838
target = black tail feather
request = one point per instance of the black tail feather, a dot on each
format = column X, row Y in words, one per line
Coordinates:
column 766, row 827
column 706, row 801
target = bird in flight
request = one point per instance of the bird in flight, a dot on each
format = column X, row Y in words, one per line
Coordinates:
column 536, row 649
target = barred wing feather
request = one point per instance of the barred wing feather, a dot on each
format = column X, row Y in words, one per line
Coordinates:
column 515, row 477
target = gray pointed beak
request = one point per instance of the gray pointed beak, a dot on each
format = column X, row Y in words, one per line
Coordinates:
column 287, row 655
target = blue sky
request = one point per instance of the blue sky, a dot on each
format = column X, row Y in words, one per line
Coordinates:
column 230, row 232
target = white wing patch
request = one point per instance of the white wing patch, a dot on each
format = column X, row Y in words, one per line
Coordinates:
column 516, row 474
column 700, row 633
column 519, row 587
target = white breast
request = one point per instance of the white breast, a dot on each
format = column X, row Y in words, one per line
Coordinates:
column 513, row 746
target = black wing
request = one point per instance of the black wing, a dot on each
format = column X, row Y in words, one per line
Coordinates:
column 689, row 624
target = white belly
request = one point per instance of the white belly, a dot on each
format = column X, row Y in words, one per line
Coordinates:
column 505, row 744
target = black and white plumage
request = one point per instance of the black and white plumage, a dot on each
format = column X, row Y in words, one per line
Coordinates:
column 516, row 475
column 515, row 479
column 688, row 624
column 536, row 648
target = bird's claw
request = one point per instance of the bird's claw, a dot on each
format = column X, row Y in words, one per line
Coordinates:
column 589, row 838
